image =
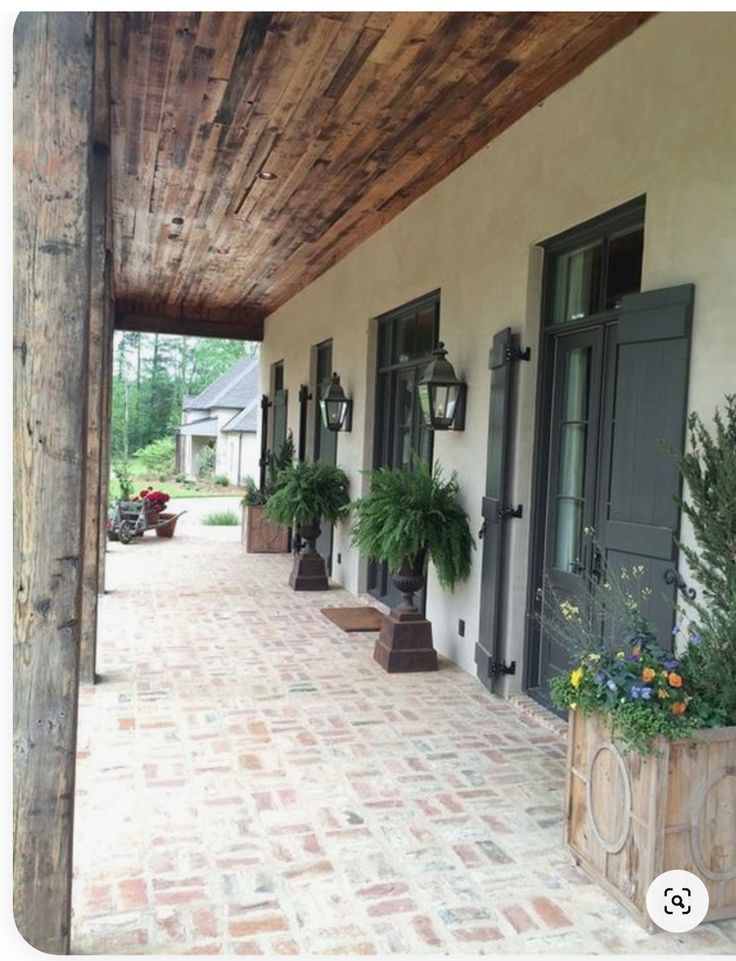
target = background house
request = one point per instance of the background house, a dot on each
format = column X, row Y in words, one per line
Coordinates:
column 223, row 418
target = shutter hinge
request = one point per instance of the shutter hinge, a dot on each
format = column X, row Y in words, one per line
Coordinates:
column 505, row 512
column 501, row 668
column 513, row 352
column 507, row 352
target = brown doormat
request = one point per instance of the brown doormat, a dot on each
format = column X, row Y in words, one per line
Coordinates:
column 354, row 618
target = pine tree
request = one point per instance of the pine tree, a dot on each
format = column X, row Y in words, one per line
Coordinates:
column 709, row 471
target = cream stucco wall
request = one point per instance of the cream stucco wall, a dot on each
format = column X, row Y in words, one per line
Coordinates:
column 656, row 116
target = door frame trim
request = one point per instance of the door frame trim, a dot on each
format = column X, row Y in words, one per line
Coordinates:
column 607, row 222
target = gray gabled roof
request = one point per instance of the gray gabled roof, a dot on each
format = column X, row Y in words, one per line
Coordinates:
column 247, row 419
column 236, row 388
column 206, row 427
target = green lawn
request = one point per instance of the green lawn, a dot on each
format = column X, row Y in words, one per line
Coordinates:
column 172, row 488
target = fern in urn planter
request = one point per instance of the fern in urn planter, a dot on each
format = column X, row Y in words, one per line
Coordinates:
column 407, row 518
column 307, row 494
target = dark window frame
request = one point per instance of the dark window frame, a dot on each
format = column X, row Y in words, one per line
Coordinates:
column 386, row 321
column 384, row 430
column 603, row 229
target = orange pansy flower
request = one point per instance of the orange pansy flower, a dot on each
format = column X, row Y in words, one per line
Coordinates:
column 648, row 674
column 679, row 707
column 636, row 650
column 674, row 679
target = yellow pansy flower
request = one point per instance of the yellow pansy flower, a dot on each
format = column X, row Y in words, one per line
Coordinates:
column 576, row 676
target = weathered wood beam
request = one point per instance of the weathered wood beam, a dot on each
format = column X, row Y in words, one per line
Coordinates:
column 97, row 353
column 105, row 452
column 250, row 328
column 53, row 63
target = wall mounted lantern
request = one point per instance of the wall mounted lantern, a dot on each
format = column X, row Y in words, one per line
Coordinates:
column 337, row 409
column 441, row 394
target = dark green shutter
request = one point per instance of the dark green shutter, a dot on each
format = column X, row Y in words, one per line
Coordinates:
column 640, row 516
column 496, row 512
column 279, row 406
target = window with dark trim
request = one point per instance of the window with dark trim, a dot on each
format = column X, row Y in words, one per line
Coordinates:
column 591, row 267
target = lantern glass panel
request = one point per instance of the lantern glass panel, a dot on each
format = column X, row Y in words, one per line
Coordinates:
column 334, row 413
column 423, row 391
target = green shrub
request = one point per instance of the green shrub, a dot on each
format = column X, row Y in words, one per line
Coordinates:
column 158, row 457
column 180, row 478
column 221, row 519
column 123, row 474
column 252, row 496
column 709, row 471
column 207, row 461
column 222, row 480
column 277, row 462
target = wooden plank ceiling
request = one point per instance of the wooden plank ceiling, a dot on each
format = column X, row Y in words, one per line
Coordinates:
column 354, row 116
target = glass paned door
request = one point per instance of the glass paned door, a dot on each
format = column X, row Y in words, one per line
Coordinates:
column 574, row 425
column 406, row 338
column 413, row 437
column 573, row 435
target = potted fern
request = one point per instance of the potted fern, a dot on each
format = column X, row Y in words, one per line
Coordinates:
column 307, row 494
column 410, row 517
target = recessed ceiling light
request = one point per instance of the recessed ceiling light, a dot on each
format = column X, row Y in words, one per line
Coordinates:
column 267, row 175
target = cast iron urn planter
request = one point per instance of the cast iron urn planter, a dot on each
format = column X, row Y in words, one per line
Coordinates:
column 405, row 642
column 309, row 572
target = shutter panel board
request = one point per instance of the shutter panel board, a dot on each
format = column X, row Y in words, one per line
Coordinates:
column 265, row 404
column 649, row 411
column 499, row 420
column 279, row 407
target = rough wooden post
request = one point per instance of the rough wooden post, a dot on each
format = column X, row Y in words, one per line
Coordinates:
column 106, row 424
column 108, row 353
column 53, row 64
column 97, row 354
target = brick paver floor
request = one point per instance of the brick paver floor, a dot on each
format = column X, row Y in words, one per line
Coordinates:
column 251, row 782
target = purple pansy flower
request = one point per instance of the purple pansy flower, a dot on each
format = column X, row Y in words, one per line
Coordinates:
column 672, row 664
column 646, row 693
column 611, row 684
column 635, row 691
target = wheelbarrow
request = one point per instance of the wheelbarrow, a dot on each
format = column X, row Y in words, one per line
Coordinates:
column 133, row 518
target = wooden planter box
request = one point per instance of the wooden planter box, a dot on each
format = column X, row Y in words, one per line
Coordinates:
column 629, row 818
column 261, row 535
